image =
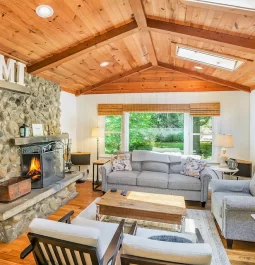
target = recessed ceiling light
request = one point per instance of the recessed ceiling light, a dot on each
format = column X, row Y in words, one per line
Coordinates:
column 198, row 67
column 44, row 11
column 103, row 64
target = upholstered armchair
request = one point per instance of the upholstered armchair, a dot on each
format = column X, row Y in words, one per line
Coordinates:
column 233, row 202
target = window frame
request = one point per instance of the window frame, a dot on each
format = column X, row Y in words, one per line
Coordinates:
column 192, row 134
column 112, row 132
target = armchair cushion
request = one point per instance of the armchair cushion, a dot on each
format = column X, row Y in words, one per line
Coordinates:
column 72, row 233
column 218, row 199
column 242, row 186
column 244, row 203
column 189, row 253
column 107, row 230
column 252, row 186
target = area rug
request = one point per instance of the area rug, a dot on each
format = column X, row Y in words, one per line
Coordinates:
column 203, row 220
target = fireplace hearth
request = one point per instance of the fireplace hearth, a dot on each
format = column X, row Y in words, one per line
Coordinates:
column 43, row 163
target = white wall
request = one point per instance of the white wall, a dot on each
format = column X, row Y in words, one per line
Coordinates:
column 68, row 118
column 234, row 119
column 252, row 127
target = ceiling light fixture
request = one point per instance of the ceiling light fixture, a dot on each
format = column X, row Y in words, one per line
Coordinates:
column 44, row 11
column 103, row 64
column 198, row 67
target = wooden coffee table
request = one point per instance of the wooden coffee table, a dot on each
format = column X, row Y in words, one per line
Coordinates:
column 143, row 206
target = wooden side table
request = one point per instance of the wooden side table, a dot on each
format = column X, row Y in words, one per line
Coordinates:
column 97, row 183
column 223, row 170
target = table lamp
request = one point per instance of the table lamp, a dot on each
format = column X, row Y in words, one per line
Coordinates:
column 224, row 141
column 95, row 134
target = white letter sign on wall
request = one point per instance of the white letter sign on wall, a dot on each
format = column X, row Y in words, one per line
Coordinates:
column 12, row 71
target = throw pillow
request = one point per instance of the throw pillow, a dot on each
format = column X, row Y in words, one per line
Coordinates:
column 192, row 167
column 168, row 238
column 252, row 186
column 121, row 162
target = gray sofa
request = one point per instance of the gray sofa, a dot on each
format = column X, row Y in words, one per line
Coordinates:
column 233, row 202
column 158, row 173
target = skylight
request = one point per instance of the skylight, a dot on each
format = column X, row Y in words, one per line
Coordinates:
column 208, row 58
column 239, row 4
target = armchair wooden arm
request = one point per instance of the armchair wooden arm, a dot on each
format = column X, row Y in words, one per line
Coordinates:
column 133, row 229
column 113, row 248
column 66, row 218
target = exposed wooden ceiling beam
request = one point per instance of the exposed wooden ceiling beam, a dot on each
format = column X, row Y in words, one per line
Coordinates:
column 217, row 38
column 68, row 90
column 205, row 77
column 252, row 88
column 140, row 17
column 87, row 90
column 83, row 47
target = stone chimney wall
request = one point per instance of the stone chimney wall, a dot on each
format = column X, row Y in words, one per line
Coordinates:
column 42, row 106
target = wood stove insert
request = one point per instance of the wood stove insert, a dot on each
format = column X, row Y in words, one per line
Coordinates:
column 43, row 163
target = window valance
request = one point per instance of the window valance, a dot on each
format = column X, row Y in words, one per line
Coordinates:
column 194, row 109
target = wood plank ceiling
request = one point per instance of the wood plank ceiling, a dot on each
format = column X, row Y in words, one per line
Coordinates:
column 138, row 38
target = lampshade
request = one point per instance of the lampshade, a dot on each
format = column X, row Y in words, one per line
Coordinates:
column 224, row 140
column 95, row 132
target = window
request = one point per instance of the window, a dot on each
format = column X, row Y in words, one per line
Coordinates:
column 208, row 58
column 175, row 132
column 112, row 134
column 240, row 4
column 202, row 136
column 156, row 130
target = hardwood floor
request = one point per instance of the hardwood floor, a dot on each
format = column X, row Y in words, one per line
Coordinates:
column 243, row 253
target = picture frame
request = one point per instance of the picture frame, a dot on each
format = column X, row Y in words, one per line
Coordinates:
column 37, row 129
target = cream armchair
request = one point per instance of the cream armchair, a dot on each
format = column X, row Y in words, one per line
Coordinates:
column 80, row 243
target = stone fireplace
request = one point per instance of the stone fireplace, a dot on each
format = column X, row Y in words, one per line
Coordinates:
column 43, row 163
column 41, row 106
column 39, row 158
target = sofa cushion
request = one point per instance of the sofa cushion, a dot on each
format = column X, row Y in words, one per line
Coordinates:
column 121, row 162
column 123, row 177
column 152, row 179
column 193, row 167
column 144, row 155
column 155, row 166
column 183, row 182
column 218, row 197
column 136, row 166
column 176, row 167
